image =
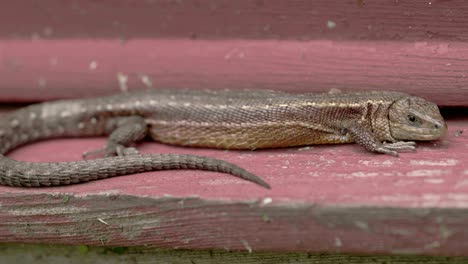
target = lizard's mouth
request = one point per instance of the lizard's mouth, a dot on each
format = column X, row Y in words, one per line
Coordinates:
column 408, row 132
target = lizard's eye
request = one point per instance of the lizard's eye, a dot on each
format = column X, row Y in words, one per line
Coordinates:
column 412, row 118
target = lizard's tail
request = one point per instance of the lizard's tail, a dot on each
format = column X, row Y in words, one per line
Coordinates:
column 31, row 174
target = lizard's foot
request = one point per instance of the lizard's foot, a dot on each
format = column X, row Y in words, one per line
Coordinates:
column 111, row 151
column 391, row 148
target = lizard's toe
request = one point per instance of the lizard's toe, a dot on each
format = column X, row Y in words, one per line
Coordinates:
column 93, row 152
column 401, row 145
column 387, row 151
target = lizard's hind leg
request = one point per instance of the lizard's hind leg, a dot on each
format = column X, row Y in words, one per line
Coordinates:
column 124, row 131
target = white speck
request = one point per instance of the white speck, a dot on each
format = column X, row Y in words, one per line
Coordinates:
column 93, row 120
column 93, row 65
column 426, row 173
column 434, row 181
column 42, row 82
column 2, row 133
column 53, row 61
column 32, row 116
column 434, row 244
column 109, row 107
column 361, row 225
column 230, row 53
column 445, row 232
column 376, row 163
column 331, row 24
column 99, row 108
column 338, row 242
column 122, row 79
column 48, row 31
column 267, row 200
column 81, row 125
column 102, row 221
column 443, row 162
column 247, row 246
column 146, row 80
column 358, row 174
column 152, row 102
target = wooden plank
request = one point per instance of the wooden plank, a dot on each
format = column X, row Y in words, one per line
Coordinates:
column 51, row 69
column 55, row 49
column 401, row 20
column 324, row 199
column 52, row 254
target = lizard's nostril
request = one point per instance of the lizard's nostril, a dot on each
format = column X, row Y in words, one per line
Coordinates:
column 436, row 126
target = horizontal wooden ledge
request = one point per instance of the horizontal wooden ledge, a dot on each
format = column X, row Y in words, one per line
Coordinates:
column 324, row 199
column 50, row 69
column 433, row 176
column 247, row 19
column 194, row 223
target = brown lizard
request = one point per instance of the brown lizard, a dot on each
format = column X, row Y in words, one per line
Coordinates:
column 227, row 119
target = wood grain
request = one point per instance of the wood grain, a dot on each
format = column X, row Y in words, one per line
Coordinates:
column 55, row 49
column 56, row 254
column 53, row 69
column 352, row 200
column 400, row 20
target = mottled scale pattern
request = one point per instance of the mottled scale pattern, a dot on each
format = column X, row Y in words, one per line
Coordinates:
column 226, row 119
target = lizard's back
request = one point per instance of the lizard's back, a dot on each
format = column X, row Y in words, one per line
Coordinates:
column 254, row 119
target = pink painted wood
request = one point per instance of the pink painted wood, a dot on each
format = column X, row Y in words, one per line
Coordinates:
column 77, row 68
column 54, row 49
column 324, row 198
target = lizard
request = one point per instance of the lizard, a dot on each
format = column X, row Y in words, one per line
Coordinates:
column 380, row 121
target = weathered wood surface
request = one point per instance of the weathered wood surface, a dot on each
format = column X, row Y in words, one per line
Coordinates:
column 324, row 199
column 400, row 20
column 55, row 49
column 51, row 69
column 57, row 254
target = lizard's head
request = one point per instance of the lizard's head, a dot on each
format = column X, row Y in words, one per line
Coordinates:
column 413, row 118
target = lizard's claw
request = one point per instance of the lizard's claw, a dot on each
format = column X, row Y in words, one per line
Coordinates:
column 93, row 152
column 385, row 150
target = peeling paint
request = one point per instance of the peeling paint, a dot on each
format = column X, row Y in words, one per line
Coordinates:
column 442, row 162
column 426, row 173
column 434, row 181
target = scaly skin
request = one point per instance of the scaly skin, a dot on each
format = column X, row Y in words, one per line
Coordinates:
column 225, row 119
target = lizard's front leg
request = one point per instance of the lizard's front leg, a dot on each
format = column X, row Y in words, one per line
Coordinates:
column 367, row 139
column 124, row 131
